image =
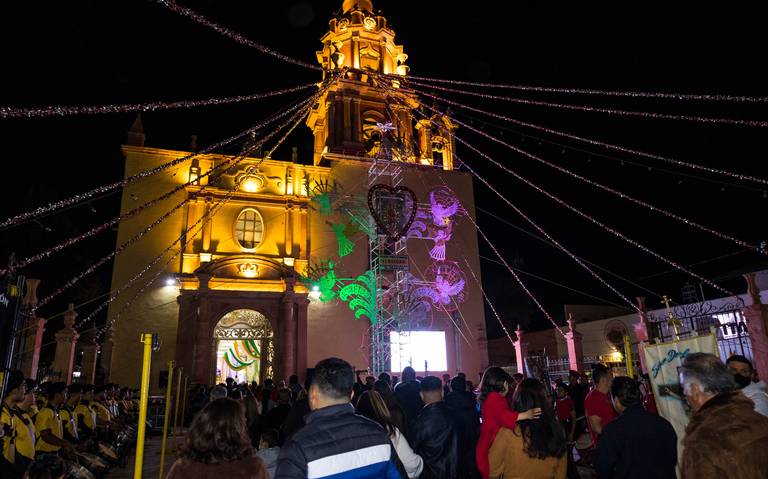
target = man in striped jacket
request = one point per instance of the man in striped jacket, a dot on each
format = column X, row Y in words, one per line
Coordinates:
column 336, row 443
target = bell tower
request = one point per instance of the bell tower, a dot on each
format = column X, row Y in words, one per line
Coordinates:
column 348, row 120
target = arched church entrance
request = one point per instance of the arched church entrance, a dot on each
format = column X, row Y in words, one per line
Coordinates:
column 244, row 346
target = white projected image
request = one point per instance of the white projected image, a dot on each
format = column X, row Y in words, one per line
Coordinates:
column 412, row 348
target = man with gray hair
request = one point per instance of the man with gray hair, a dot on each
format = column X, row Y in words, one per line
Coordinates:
column 725, row 436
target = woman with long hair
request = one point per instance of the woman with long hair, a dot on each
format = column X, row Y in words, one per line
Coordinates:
column 395, row 411
column 535, row 448
column 217, row 446
column 372, row 406
column 496, row 414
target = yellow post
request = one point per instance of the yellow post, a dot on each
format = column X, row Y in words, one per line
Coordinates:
column 137, row 469
column 184, row 401
column 168, row 389
column 628, row 357
column 176, row 408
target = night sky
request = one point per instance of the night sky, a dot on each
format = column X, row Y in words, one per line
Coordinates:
column 95, row 52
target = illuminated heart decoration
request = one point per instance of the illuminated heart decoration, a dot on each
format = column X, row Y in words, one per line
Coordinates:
column 388, row 212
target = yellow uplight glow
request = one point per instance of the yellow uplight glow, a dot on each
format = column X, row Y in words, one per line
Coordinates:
column 616, row 357
column 251, row 185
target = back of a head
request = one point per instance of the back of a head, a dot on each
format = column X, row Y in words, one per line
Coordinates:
column 709, row 372
column 493, row 381
column 218, row 392
column 47, row 466
column 458, row 384
column 385, row 377
column 382, row 387
column 294, row 379
column 600, row 371
column 627, row 391
column 543, row 437
column 409, row 374
column 218, row 434
column 334, row 379
column 431, row 387
column 372, row 406
column 284, row 396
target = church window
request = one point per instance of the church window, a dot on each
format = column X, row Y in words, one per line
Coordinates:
column 249, row 228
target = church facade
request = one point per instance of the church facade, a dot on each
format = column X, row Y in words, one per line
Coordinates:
column 275, row 253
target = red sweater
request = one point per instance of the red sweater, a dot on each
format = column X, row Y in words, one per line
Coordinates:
column 496, row 414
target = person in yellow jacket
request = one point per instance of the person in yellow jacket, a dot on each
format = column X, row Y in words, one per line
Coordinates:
column 99, row 405
column 86, row 416
column 25, row 426
column 67, row 411
column 15, row 390
column 48, row 423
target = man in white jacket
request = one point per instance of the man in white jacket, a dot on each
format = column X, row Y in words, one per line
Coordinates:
column 744, row 374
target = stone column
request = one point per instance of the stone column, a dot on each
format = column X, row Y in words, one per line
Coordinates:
column 521, row 350
column 302, row 303
column 288, row 341
column 575, row 351
column 107, row 346
column 641, row 332
column 756, row 317
column 66, row 342
column 90, row 358
column 37, row 346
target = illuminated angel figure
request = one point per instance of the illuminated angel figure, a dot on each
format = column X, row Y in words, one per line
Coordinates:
column 385, row 127
column 441, row 237
column 441, row 214
column 327, row 283
column 446, row 291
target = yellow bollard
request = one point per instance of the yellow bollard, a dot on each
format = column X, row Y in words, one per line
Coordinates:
column 628, row 357
column 184, row 401
column 168, row 389
column 147, row 340
column 176, row 408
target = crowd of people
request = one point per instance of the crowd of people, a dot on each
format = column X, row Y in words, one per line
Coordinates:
column 338, row 425
column 53, row 430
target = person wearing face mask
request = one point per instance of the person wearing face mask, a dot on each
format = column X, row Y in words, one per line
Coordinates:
column 744, row 374
column 725, row 436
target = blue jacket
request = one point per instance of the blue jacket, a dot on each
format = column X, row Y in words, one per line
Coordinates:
column 338, row 444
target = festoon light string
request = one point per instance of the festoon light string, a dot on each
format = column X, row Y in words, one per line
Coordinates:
column 610, row 111
column 615, row 192
column 580, row 213
column 394, row 94
column 597, row 92
column 103, row 227
column 601, row 144
column 59, row 110
column 79, row 198
column 201, row 222
column 144, row 231
column 239, row 38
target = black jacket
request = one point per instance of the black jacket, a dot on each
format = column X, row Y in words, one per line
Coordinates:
column 463, row 405
column 434, row 437
column 637, row 445
column 351, row 444
column 407, row 395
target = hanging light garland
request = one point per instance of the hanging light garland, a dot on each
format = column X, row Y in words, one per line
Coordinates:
column 624, row 196
column 611, row 111
column 57, row 110
column 23, row 217
column 598, row 143
column 203, row 220
column 239, row 38
column 591, row 91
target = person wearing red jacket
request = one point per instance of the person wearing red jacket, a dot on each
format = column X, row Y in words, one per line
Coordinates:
column 495, row 414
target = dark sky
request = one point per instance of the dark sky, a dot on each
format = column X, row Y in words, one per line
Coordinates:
column 95, row 52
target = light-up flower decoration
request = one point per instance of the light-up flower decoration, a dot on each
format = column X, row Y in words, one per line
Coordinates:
column 361, row 296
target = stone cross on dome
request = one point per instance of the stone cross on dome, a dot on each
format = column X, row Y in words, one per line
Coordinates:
column 365, row 5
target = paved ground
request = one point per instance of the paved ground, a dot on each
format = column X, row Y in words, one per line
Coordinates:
column 151, row 467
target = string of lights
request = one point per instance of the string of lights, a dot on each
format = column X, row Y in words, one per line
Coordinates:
column 103, row 227
column 599, row 143
column 58, row 110
column 590, row 219
column 88, row 195
column 597, row 92
column 610, row 111
column 141, row 233
column 239, row 38
column 615, row 192
column 590, row 155
column 489, row 303
column 202, row 221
